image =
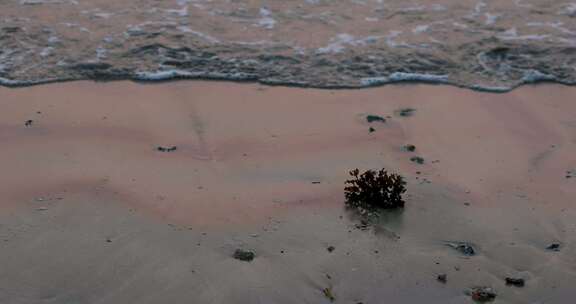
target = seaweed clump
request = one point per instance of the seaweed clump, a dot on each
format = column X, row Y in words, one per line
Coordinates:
column 374, row 190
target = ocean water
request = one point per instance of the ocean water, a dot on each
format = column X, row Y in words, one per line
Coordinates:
column 485, row 45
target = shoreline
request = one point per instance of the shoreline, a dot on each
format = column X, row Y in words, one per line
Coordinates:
column 15, row 84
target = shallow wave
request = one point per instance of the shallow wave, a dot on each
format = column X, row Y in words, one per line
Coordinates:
column 493, row 47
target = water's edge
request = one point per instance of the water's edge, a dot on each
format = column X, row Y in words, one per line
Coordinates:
column 488, row 47
column 140, row 78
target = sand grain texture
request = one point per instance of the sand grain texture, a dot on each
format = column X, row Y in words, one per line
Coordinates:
column 91, row 212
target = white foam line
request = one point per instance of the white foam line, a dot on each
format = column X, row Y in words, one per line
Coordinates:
column 9, row 82
column 38, row 2
column 266, row 21
column 512, row 34
column 175, row 74
column 401, row 76
column 187, row 29
column 161, row 75
column 182, row 12
column 569, row 9
column 532, row 76
column 420, row 29
column 340, row 42
column 20, row 83
column 556, row 25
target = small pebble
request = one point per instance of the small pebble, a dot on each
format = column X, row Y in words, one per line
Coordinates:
column 515, row 282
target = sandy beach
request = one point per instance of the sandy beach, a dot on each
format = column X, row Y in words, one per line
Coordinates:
column 92, row 212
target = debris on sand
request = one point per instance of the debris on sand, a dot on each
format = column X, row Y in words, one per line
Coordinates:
column 417, row 159
column 28, row 123
column 410, row 148
column 328, row 294
column 371, row 130
column 166, row 149
column 515, row 282
column 464, row 248
column 375, row 118
column 553, row 247
column 330, row 248
column 406, row 112
column 482, row 294
column 442, row 278
column 244, row 255
column 571, row 173
column 374, row 190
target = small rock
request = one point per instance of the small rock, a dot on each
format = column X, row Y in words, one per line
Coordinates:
column 442, row 278
column 28, row 123
column 330, row 248
column 406, row 112
column 371, row 130
column 410, row 148
column 553, row 247
column 375, row 118
column 482, row 294
column 244, row 255
column 465, row 248
column 166, row 149
column 515, row 282
column 417, row 159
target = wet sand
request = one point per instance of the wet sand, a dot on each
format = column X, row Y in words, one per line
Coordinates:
column 91, row 212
